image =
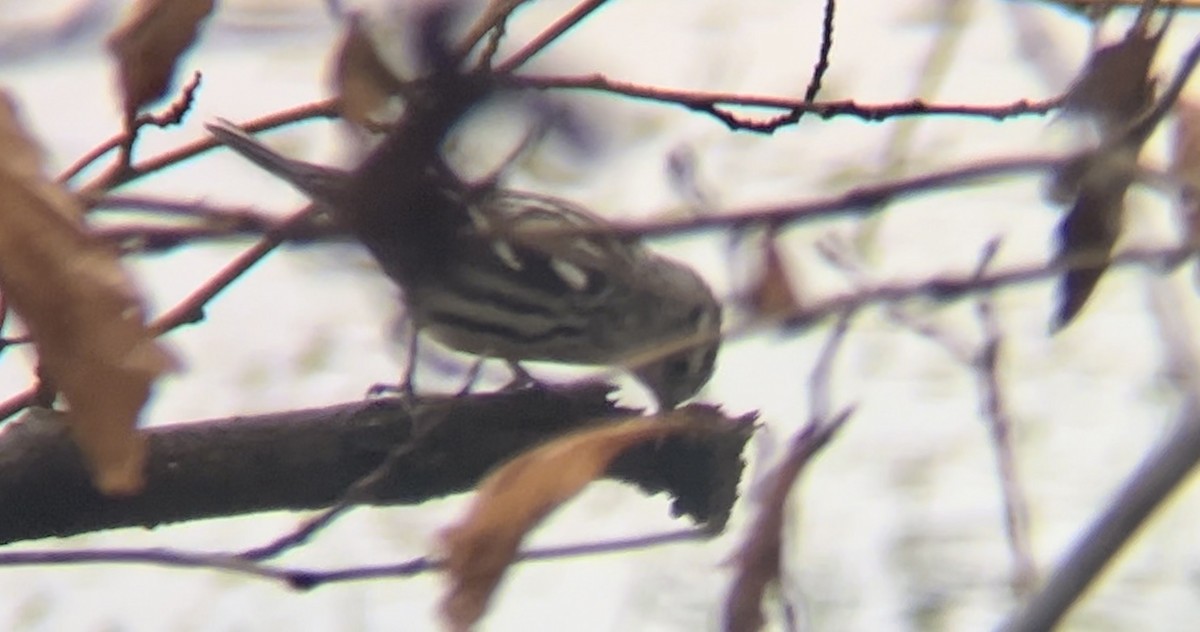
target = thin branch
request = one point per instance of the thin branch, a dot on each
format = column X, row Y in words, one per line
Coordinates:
column 820, row 381
column 956, row 287
column 984, row 364
column 1162, row 471
column 814, row 84
column 117, row 177
column 943, row 288
column 713, row 103
column 307, row 579
column 1085, row 5
column 491, row 25
column 149, row 238
column 930, row 73
column 172, row 115
column 155, row 557
column 361, row 491
column 552, row 33
column 995, row 412
column 858, row 201
column 759, row 559
column 191, row 308
column 224, row 215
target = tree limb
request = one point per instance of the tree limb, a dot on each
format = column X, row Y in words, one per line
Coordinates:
column 307, row 459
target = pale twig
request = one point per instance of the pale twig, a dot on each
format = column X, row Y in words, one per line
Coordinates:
column 1162, row 471
column 305, row 579
column 995, row 412
column 116, row 177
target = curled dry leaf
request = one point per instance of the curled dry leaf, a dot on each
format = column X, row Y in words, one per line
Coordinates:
column 149, row 42
column 518, row 495
column 80, row 308
column 361, row 79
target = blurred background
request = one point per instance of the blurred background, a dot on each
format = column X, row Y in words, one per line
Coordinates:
column 898, row 525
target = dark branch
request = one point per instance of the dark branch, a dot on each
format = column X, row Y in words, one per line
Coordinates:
column 814, row 84
column 308, row 459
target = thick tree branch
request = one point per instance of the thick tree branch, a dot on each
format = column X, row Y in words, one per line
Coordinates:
column 308, row 459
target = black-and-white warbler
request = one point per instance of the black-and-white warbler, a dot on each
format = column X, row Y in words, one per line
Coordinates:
column 590, row 299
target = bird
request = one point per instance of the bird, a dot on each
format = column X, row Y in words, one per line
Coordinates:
column 499, row 291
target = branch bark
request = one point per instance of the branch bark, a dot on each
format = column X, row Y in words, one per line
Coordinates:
column 307, row 459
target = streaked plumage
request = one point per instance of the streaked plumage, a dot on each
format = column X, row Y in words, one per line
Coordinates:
column 582, row 299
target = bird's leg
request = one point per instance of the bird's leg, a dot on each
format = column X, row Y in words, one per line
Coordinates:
column 520, row 379
column 404, row 388
column 472, row 376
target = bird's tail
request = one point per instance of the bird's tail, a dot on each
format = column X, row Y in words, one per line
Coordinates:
column 322, row 184
column 408, row 219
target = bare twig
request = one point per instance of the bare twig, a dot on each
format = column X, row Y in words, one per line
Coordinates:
column 986, row 365
column 758, row 557
column 357, row 493
column 180, row 208
column 1161, row 472
column 820, row 381
column 118, row 177
column 190, row 309
column 552, row 33
column 822, row 65
column 983, row 363
column 172, row 115
column 1086, row 5
column 306, row 579
column 714, row 103
column 859, row 201
column 952, row 18
column 843, row 256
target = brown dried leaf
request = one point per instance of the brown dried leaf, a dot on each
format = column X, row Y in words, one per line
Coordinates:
column 758, row 559
column 518, row 495
column 362, row 81
column 149, row 42
column 772, row 295
column 80, row 309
